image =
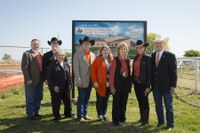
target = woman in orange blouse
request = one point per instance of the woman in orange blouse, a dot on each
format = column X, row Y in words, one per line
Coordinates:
column 100, row 77
column 120, row 84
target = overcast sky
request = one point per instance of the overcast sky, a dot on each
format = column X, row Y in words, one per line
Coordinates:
column 23, row 20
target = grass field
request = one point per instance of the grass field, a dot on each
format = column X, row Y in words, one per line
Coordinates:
column 13, row 118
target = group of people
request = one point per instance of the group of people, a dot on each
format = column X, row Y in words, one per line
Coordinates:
column 107, row 74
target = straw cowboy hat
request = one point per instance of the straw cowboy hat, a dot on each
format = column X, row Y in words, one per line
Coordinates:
column 141, row 43
column 86, row 39
column 54, row 39
column 160, row 39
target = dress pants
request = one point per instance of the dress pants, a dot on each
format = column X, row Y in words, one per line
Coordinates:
column 142, row 101
column 120, row 100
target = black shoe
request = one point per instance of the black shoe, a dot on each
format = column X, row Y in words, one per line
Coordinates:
column 105, row 119
column 70, row 116
column 169, row 128
column 116, row 123
column 160, row 124
column 57, row 119
column 31, row 118
column 38, row 115
column 143, row 124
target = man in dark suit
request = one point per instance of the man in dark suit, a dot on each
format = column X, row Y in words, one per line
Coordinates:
column 49, row 57
column 59, row 82
column 164, row 82
column 31, row 66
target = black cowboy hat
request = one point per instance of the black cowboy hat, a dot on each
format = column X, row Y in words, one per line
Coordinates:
column 86, row 39
column 53, row 39
column 141, row 43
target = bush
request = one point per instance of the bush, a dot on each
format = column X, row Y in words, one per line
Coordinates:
column 192, row 53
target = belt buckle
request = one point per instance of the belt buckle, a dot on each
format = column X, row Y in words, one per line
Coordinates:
column 125, row 74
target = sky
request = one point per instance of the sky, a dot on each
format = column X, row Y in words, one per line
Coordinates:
column 23, row 20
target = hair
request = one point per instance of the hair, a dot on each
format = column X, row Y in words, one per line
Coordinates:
column 60, row 51
column 122, row 44
column 35, row 40
column 110, row 56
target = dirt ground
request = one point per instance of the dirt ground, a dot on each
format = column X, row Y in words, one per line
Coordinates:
column 10, row 74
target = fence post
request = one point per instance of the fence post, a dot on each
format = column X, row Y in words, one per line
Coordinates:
column 197, row 74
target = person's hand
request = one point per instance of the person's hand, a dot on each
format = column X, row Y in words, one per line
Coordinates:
column 113, row 91
column 96, row 85
column 78, row 81
column 56, row 89
column 172, row 90
column 146, row 92
column 46, row 82
column 29, row 82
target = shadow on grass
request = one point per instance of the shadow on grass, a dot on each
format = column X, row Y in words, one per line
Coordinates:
column 184, row 101
column 46, row 125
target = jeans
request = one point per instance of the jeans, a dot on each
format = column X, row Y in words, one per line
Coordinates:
column 34, row 95
column 168, row 99
column 102, row 103
column 83, row 99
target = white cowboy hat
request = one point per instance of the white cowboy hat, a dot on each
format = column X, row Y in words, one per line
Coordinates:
column 160, row 39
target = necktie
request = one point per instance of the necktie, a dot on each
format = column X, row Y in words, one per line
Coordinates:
column 157, row 59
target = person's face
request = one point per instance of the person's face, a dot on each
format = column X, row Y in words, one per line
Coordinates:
column 105, row 52
column 86, row 45
column 35, row 45
column 160, row 46
column 140, row 49
column 123, row 51
column 54, row 46
column 60, row 57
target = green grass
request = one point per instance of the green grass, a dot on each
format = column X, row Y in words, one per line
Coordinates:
column 13, row 118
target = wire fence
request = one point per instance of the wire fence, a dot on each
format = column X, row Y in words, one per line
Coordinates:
column 188, row 68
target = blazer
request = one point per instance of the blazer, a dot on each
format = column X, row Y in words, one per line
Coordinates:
column 58, row 75
column 165, row 75
column 48, row 58
column 145, row 71
column 81, row 68
column 30, row 67
column 99, row 75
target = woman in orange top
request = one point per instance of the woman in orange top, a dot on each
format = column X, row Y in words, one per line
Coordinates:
column 100, row 77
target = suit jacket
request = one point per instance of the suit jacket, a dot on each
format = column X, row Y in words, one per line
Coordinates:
column 165, row 75
column 99, row 75
column 48, row 58
column 145, row 71
column 30, row 67
column 82, row 68
column 58, row 75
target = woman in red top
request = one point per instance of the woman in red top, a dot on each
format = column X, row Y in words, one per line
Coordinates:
column 100, row 77
column 120, row 84
column 141, row 78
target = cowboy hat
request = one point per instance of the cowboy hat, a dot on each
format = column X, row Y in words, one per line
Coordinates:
column 160, row 39
column 141, row 43
column 86, row 39
column 54, row 39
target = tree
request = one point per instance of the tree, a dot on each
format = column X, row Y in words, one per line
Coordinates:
column 150, row 39
column 6, row 57
column 69, row 54
column 192, row 53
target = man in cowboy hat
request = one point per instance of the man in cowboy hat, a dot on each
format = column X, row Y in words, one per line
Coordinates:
column 82, row 62
column 48, row 59
column 164, row 81
column 49, row 56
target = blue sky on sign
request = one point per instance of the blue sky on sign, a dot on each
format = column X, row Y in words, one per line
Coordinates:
column 23, row 20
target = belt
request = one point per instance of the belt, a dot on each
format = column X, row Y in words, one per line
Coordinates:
column 124, row 74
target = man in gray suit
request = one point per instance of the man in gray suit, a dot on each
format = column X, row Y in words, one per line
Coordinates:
column 31, row 66
column 82, row 62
